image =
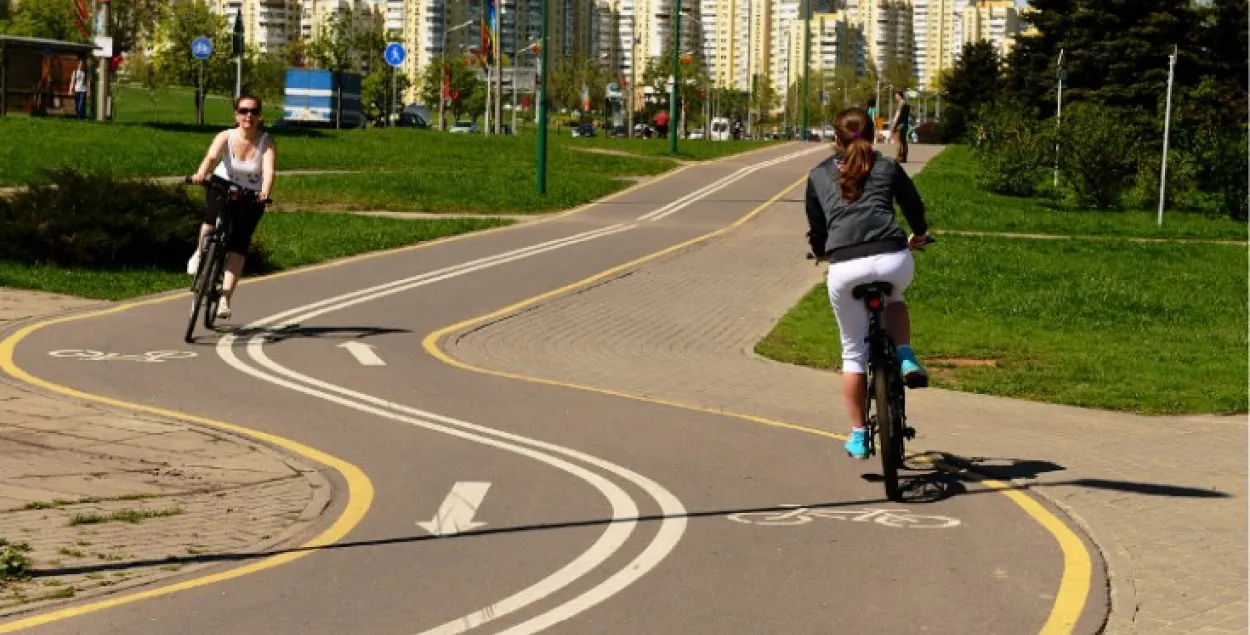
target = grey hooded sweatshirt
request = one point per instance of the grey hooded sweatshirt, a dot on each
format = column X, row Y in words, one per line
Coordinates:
column 840, row 231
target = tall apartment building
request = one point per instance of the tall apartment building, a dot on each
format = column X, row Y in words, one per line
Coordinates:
column 994, row 20
column 836, row 40
column 942, row 22
column 781, row 73
column 270, row 25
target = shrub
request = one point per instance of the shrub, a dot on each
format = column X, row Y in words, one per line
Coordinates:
column 1099, row 153
column 100, row 221
column 1012, row 151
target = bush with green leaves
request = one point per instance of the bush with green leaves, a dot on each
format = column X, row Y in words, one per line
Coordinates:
column 98, row 220
column 1012, row 150
column 1099, row 153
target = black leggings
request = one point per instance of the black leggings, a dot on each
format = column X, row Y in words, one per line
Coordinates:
column 245, row 214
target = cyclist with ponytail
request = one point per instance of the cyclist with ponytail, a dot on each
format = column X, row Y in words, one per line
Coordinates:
column 850, row 213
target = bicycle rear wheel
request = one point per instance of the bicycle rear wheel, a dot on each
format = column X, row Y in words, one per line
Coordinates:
column 888, row 449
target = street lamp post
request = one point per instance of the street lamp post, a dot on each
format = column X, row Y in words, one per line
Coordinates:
column 672, row 93
column 442, row 59
column 807, row 49
column 542, row 99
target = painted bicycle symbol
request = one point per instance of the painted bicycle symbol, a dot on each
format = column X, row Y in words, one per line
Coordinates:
column 799, row 515
column 154, row 357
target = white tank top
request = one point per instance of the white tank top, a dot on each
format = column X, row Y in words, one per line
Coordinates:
column 245, row 174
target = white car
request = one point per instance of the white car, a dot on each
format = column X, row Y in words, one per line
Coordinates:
column 464, row 127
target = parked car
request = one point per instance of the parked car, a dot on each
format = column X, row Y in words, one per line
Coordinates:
column 464, row 127
column 619, row 132
column 697, row 133
column 584, row 130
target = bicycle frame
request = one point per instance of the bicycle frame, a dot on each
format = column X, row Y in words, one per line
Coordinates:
column 207, row 285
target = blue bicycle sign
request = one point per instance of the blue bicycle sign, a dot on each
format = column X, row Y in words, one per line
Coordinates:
column 201, row 48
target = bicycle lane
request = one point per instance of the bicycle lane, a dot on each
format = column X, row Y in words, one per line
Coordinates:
column 721, row 574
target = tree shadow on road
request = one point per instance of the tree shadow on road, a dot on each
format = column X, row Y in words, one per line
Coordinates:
column 927, row 478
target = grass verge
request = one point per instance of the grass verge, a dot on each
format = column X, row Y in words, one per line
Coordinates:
column 953, row 200
column 292, row 239
column 1151, row 328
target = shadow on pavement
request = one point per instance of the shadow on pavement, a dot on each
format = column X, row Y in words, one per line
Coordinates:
column 294, row 331
column 1005, row 469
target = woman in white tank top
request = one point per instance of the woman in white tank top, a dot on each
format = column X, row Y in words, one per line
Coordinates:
column 245, row 156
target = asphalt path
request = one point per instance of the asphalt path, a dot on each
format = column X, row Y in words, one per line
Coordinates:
column 496, row 505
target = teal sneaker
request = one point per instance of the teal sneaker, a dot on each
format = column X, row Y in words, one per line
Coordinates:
column 857, row 445
column 914, row 375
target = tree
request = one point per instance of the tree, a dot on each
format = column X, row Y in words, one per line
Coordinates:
column 173, row 63
column 53, row 20
column 378, row 88
column 333, row 46
column 1115, row 53
column 975, row 80
column 464, row 85
column 134, row 21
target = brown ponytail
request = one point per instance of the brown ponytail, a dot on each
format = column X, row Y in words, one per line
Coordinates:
column 849, row 127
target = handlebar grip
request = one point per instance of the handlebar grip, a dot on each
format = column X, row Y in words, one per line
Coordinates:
column 186, row 180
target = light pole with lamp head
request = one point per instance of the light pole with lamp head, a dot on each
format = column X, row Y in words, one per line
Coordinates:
column 442, row 58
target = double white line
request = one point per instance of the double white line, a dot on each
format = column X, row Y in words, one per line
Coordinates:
column 685, row 201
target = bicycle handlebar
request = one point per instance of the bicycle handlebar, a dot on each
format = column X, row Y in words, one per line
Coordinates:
column 928, row 240
column 217, row 181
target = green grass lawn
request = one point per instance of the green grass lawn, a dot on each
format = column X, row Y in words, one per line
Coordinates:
column 175, row 104
column 292, row 239
column 954, row 202
column 1152, row 328
column 394, row 169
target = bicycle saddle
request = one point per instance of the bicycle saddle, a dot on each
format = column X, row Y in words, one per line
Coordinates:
column 880, row 286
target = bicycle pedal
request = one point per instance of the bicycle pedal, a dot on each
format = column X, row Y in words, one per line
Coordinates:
column 916, row 380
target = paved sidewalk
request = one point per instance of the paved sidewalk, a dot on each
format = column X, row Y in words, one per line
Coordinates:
column 100, row 499
column 1164, row 497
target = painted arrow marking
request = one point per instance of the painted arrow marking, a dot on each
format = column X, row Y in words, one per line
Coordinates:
column 458, row 509
column 363, row 353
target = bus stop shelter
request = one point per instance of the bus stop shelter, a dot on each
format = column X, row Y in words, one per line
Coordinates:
column 35, row 74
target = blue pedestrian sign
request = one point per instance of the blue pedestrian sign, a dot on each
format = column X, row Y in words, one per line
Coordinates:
column 201, row 48
column 395, row 53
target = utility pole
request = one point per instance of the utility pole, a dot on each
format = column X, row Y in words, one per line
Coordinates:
column 499, row 66
column 1058, row 116
column 672, row 93
column 1167, row 124
column 542, row 99
column 236, row 42
column 633, row 70
column 102, row 92
column 807, row 49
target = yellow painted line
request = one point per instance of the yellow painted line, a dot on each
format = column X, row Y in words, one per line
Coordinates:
column 1074, row 584
column 359, row 487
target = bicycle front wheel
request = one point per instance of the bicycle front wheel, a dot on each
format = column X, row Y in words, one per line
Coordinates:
column 214, row 283
column 200, row 286
column 887, row 450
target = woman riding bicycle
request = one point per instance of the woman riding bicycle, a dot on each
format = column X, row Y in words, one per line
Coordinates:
column 850, row 213
column 245, row 156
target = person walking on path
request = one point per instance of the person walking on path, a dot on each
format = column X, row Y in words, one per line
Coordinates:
column 899, row 128
column 81, row 88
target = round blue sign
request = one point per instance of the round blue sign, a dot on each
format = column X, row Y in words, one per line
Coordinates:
column 395, row 54
column 201, row 48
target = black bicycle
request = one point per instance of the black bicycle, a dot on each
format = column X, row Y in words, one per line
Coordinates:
column 885, row 405
column 206, row 285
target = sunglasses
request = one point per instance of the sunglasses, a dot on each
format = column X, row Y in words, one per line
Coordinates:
column 249, row 111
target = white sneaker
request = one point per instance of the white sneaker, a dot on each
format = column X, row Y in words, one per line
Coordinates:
column 223, row 309
column 193, row 265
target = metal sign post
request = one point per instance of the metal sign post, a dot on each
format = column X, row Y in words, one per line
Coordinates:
column 395, row 55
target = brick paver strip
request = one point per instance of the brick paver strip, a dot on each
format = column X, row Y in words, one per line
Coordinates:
column 1164, row 497
column 212, row 494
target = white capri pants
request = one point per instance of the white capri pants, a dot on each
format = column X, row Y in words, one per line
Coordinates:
column 895, row 267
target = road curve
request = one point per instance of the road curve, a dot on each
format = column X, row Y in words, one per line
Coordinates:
column 513, row 507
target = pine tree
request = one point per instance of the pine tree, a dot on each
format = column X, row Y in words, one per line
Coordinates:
column 975, row 80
